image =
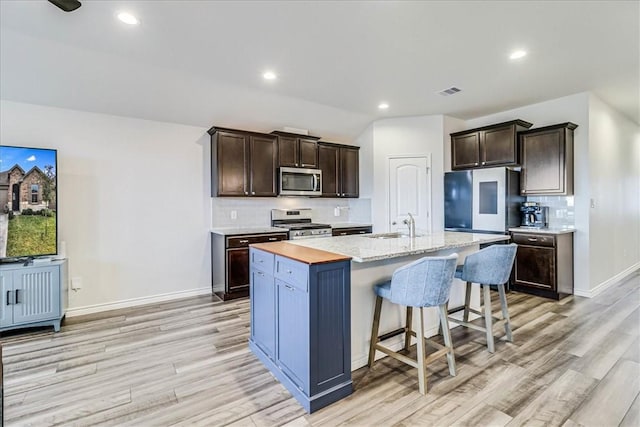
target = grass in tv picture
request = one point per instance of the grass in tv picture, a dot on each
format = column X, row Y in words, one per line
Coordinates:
column 32, row 234
column 27, row 202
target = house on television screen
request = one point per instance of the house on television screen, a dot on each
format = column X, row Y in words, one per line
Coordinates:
column 34, row 189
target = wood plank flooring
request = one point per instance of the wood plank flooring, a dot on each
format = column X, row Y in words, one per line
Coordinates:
column 186, row 362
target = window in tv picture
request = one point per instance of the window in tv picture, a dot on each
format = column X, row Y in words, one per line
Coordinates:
column 34, row 193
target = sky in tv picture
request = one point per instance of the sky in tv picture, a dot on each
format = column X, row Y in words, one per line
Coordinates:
column 26, row 158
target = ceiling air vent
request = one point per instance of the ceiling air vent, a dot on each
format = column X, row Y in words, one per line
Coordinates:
column 449, row 91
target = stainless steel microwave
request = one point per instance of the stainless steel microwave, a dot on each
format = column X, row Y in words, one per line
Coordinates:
column 300, row 182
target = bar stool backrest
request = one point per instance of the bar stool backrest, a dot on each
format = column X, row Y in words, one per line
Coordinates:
column 424, row 283
column 490, row 266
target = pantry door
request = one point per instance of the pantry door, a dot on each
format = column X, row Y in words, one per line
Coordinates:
column 409, row 192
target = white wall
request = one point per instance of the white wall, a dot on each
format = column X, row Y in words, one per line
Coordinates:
column 421, row 135
column 614, row 222
column 133, row 200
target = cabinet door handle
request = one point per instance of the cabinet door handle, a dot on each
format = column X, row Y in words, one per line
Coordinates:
column 475, row 164
column 246, row 193
column 260, row 273
column 243, row 241
column 253, row 193
column 361, row 232
column 9, row 297
column 532, row 239
column 17, row 300
column 272, row 239
column 289, row 271
column 289, row 287
column 484, row 163
column 343, row 234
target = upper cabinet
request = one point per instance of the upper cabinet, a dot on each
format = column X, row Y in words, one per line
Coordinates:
column 243, row 163
column 488, row 146
column 297, row 151
column 547, row 160
column 340, row 170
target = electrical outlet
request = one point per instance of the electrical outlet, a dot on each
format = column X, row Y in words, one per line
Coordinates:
column 234, row 215
column 76, row 283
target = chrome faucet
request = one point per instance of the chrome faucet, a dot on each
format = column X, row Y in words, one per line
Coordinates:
column 411, row 223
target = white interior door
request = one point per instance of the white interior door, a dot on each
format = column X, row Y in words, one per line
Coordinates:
column 409, row 192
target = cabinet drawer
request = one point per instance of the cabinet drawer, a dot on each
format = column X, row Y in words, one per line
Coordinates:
column 534, row 239
column 350, row 231
column 293, row 272
column 262, row 261
column 244, row 241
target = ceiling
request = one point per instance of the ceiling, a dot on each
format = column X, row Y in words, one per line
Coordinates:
column 200, row 62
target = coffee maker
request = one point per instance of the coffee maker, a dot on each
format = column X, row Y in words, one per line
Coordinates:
column 534, row 215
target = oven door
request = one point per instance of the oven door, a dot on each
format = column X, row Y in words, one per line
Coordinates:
column 300, row 182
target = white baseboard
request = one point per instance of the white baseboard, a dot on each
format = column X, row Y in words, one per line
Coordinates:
column 133, row 302
column 607, row 283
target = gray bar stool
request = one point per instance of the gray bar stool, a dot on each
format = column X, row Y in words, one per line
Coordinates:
column 422, row 283
column 489, row 266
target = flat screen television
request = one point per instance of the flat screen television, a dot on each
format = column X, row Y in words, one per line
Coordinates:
column 28, row 202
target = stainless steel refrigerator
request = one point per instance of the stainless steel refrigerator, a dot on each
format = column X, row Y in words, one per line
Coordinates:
column 482, row 200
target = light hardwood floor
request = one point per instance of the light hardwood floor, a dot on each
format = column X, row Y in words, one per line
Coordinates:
column 573, row 362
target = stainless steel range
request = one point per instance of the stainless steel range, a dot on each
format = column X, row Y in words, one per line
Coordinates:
column 298, row 222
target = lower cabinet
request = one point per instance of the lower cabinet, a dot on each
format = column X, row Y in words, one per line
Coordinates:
column 301, row 325
column 33, row 295
column 544, row 264
column 230, row 261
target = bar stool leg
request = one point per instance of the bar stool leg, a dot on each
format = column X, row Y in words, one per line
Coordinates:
column 421, row 356
column 505, row 313
column 374, row 330
column 409, row 325
column 488, row 321
column 467, row 302
column 446, row 334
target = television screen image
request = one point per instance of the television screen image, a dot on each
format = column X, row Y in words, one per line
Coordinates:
column 28, row 202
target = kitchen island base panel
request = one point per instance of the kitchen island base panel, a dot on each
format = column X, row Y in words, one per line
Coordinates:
column 310, row 404
column 365, row 275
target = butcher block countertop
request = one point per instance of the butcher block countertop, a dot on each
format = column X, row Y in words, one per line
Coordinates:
column 300, row 253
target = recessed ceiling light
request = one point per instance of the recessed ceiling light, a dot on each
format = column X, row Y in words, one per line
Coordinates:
column 128, row 18
column 518, row 54
column 383, row 106
column 269, row 75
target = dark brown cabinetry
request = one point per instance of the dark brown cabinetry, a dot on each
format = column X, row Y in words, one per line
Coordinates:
column 488, row 146
column 347, row 231
column 297, row 151
column 230, row 261
column 340, row 170
column 547, row 160
column 544, row 264
column 243, row 163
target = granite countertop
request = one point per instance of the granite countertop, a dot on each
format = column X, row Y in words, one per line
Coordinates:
column 302, row 254
column 230, row 231
column 366, row 248
column 348, row 225
column 549, row 230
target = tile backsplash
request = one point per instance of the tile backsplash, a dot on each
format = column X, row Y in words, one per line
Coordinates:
column 256, row 212
column 561, row 210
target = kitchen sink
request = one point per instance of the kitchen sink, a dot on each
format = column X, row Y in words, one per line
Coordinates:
column 395, row 235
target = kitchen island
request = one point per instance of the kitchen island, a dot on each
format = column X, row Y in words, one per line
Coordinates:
column 375, row 257
column 312, row 304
